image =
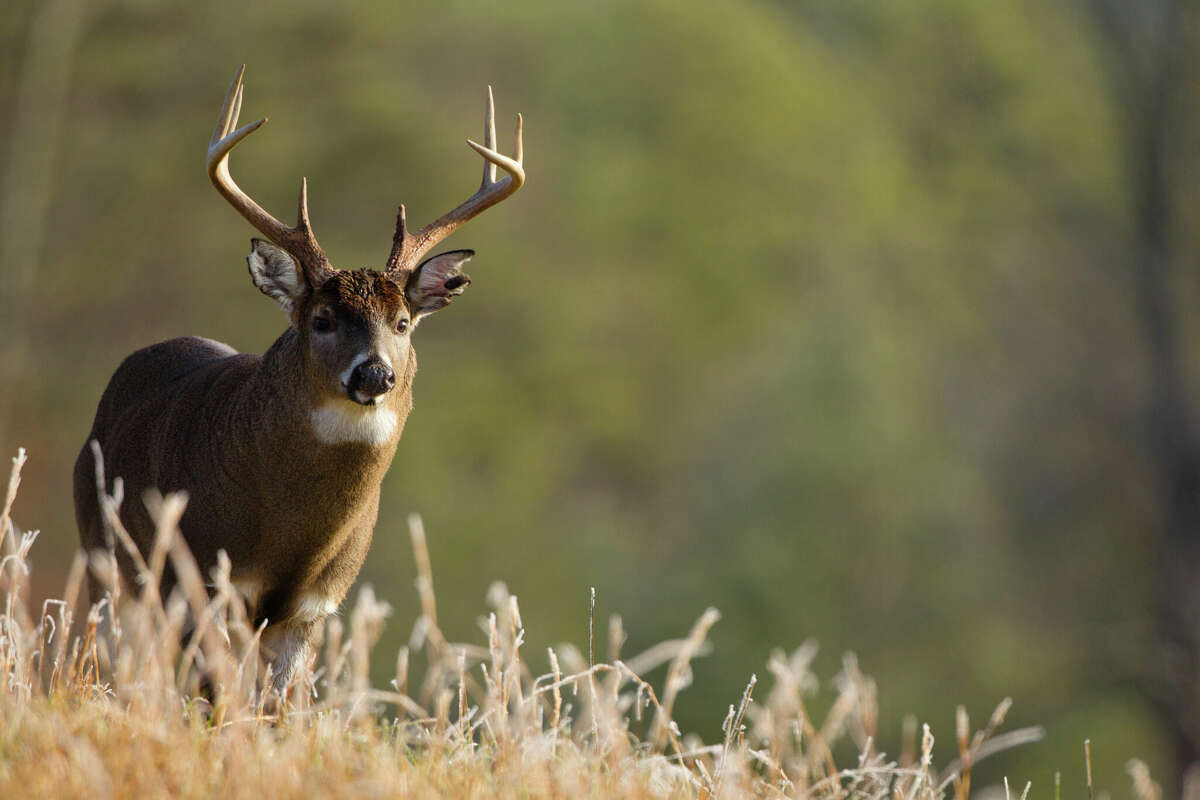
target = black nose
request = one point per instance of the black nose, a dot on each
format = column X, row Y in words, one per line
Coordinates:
column 371, row 378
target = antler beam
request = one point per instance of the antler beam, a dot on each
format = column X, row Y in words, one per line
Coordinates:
column 299, row 241
column 408, row 248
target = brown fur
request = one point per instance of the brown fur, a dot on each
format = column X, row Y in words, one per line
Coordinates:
column 232, row 430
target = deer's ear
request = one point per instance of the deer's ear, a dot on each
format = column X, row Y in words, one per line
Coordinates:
column 276, row 274
column 437, row 281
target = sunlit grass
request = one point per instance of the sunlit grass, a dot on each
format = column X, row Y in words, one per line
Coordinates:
column 122, row 713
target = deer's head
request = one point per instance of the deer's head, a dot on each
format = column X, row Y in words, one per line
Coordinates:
column 354, row 327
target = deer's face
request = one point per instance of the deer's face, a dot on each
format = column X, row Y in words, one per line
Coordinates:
column 355, row 328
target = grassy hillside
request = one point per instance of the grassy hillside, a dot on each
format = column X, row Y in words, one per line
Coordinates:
column 122, row 711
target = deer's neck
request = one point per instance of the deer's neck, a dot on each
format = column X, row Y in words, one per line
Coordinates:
column 298, row 417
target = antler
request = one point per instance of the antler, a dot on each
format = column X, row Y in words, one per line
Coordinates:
column 407, row 248
column 298, row 241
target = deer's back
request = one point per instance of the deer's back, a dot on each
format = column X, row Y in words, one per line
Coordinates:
column 159, row 423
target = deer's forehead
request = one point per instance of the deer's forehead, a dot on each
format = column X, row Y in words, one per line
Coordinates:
column 363, row 293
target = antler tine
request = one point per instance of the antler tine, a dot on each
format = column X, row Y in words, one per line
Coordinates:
column 302, row 221
column 231, row 108
column 519, row 147
column 299, row 240
column 407, row 248
column 489, row 140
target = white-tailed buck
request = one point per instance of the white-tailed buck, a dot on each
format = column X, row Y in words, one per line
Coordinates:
column 282, row 454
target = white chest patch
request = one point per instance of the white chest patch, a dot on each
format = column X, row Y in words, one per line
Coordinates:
column 313, row 607
column 335, row 423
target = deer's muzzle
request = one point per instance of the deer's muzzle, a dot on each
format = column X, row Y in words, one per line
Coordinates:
column 369, row 380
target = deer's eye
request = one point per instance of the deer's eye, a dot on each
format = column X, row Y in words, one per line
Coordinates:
column 322, row 324
column 402, row 325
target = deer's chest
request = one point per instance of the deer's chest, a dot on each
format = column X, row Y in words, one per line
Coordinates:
column 313, row 542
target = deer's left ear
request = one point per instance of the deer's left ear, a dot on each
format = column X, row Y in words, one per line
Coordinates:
column 437, row 281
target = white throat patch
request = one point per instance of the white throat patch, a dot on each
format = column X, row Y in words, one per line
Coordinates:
column 343, row 421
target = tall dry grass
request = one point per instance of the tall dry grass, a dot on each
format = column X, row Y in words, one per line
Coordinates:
column 118, row 710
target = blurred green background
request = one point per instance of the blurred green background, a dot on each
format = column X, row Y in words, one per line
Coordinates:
column 830, row 315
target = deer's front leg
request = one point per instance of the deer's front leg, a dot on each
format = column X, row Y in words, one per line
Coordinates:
column 287, row 647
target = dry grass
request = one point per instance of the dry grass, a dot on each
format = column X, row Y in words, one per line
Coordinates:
column 118, row 714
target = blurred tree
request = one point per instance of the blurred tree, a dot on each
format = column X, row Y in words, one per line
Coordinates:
column 47, row 57
column 1151, row 67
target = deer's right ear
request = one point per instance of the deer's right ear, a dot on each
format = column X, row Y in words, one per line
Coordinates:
column 276, row 274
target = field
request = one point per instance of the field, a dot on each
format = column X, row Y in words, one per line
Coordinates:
column 123, row 712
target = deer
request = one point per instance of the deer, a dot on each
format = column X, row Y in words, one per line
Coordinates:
column 281, row 455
